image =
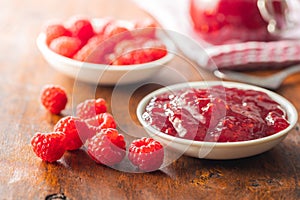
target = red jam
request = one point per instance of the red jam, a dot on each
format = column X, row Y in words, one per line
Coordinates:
column 228, row 21
column 216, row 114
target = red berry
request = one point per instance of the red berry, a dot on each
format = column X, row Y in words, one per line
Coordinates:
column 107, row 147
column 101, row 26
column 81, row 28
column 53, row 31
column 75, row 129
column 128, row 58
column 137, row 51
column 129, row 45
column 154, row 49
column 97, row 39
column 100, row 121
column 117, row 31
column 65, row 46
column 146, row 153
column 125, row 51
column 118, row 26
column 144, row 28
column 111, row 31
column 49, row 147
column 91, row 52
column 90, row 108
column 54, row 98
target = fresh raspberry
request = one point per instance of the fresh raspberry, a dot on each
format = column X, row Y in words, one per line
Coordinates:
column 81, row 28
column 107, row 147
column 53, row 31
column 49, row 147
column 116, row 32
column 154, row 49
column 128, row 58
column 75, row 129
column 92, row 51
column 101, row 26
column 90, row 108
column 65, row 46
column 100, row 121
column 126, row 52
column 146, row 153
column 97, row 39
column 144, row 28
column 54, row 98
column 137, row 51
column 118, row 26
column 125, row 46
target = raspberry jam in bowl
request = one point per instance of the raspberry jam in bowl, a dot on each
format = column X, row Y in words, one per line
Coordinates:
column 217, row 120
column 110, row 51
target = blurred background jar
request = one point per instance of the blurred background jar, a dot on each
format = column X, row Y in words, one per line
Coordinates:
column 230, row 21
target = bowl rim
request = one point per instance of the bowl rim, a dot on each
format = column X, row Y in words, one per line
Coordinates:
column 287, row 105
column 46, row 51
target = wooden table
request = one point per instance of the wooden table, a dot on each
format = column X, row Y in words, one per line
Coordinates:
column 271, row 175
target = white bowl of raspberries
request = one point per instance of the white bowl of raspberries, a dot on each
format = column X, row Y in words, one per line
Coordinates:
column 105, row 50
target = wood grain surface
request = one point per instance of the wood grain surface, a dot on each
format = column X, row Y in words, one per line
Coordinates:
column 23, row 71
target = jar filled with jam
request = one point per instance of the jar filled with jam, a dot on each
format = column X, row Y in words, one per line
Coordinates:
column 229, row 21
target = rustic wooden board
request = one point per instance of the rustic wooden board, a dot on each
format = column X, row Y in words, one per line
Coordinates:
column 23, row 71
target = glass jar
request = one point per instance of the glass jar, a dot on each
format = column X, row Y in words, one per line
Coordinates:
column 229, row 21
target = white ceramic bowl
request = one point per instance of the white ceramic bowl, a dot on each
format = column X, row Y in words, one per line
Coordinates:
column 214, row 150
column 101, row 73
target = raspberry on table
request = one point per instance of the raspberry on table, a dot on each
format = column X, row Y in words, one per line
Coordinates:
column 53, row 31
column 54, row 98
column 65, row 45
column 81, row 28
column 100, row 121
column 90, row 108
column 49, row 147
column 75, row 129
column 108, row 147
column 146, row 153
